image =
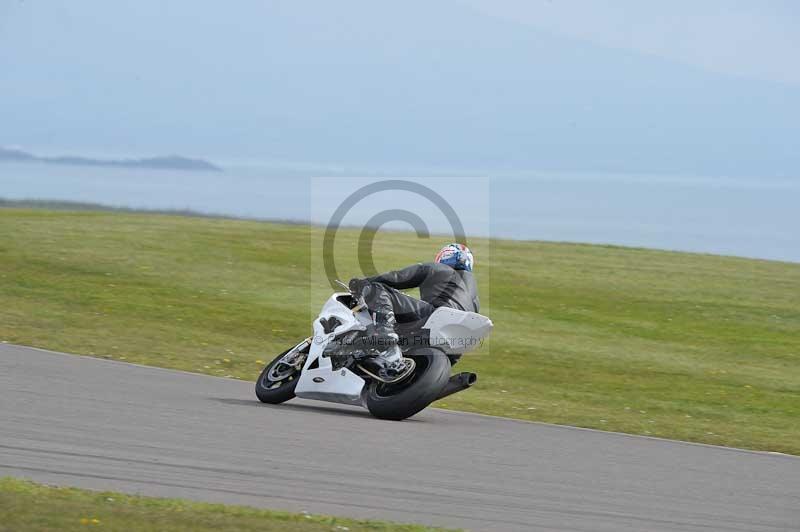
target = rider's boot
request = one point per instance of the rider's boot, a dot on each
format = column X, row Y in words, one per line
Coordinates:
column 388, row 364
column 379, row 335
column 383, row 334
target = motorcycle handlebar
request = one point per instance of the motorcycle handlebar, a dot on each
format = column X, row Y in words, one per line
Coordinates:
column 360, row 299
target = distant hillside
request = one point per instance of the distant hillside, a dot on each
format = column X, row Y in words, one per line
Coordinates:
column 169, row 162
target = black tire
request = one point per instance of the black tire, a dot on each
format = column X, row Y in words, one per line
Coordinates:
column 267, row 392
column 403, row 400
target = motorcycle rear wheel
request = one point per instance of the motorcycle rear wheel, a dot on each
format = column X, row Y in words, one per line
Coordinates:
column 406, row 398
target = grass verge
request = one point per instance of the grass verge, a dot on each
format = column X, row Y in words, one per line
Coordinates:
column 693, row 347
column 29, row 506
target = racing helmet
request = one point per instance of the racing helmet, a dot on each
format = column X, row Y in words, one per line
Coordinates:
column 457, row 256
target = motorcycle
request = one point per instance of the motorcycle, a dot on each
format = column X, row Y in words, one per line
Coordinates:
column 326, row 366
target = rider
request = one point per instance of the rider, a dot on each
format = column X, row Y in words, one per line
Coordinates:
column 445, row 282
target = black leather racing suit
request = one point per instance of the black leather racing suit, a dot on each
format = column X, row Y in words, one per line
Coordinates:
column 439, row 286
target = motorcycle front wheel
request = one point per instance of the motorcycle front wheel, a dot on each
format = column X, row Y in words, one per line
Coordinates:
column 277, row 382
column 404, row 399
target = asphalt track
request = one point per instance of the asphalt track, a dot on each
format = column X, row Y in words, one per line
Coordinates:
column 100, row 424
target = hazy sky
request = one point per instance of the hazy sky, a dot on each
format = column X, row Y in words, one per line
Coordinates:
column 682, row 87
column 759, row 39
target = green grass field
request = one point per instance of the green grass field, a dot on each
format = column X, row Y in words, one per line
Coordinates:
column 694, row 347
column 28, row 506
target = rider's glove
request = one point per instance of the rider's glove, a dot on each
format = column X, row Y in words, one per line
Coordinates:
column 357, row 285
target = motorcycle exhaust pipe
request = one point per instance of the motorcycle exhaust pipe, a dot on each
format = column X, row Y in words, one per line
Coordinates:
column 458, row 382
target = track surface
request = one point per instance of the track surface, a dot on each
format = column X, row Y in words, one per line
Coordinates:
column 100, row 424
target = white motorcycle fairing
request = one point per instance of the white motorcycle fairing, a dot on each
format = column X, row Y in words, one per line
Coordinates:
column 318, row 380
column 451, row 330
column 456, row 331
